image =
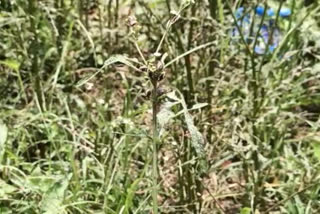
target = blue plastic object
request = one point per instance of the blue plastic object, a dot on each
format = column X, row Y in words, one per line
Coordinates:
column 260, row 10
column 264, row 37
column 259, row 50
column 239, row 12
column 270, row 12
column 285, row 12
column 243, row 22
column 264, row 33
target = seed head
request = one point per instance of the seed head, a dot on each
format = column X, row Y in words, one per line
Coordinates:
column 131, row 21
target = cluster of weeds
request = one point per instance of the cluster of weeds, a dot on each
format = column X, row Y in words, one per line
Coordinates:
column 159, row 106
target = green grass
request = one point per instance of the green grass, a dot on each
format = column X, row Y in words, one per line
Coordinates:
column 166, row 113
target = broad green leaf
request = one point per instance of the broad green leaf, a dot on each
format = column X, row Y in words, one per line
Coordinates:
column 316, row 68
column 11, row 63
column 154, row 3
column 245, row 210
column 53, row 199
column 39, row 183
column 6, row 189
column 197, row 140
column 5, row 210
column 165, row 115
column 196, row 137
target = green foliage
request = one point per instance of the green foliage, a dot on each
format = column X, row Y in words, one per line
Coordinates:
column 245, row 210
column 231, row 131
column 316, row 147
column 197, row 140
column 13, row 64
column 54, row 197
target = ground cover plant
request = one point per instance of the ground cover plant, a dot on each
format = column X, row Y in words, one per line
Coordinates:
column 159, row 106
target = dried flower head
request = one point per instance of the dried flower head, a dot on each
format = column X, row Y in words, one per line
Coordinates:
column 131, row 21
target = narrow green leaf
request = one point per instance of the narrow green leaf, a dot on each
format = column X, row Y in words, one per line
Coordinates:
column 198, row 106
column 3, row 138
column 130, row 195
column 3, row 134
column 316, row 149
column 110, row 61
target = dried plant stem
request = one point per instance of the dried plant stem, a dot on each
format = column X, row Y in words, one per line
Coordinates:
column 140, row 53
column 154, row 148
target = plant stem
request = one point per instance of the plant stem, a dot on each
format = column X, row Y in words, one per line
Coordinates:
column 33, row 51
column 87, row 14
column 188, row 57
column 155, row 152
column 213, row 8
column 80, row 8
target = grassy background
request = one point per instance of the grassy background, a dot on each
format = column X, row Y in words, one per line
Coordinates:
column 238, row 132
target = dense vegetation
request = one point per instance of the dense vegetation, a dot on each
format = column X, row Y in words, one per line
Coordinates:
column 159, row 106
